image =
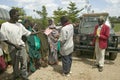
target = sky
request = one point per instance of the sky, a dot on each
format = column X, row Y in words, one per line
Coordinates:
column 110, row 6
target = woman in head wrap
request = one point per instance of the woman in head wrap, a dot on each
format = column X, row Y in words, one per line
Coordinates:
column 53, row 41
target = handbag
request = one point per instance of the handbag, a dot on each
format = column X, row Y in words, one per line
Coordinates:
column 2, row 63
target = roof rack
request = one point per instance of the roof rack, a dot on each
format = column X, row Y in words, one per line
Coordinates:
column 95, row 14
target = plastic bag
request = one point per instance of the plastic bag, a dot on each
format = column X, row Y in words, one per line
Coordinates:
column 2, row 63
column 37, row 42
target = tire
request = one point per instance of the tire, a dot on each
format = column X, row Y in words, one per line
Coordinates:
column 112, row 56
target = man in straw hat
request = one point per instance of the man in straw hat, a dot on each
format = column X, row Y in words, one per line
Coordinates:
column 101, row 33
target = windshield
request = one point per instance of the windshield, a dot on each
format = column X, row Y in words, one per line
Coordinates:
column 88, row 24
column 90, row 21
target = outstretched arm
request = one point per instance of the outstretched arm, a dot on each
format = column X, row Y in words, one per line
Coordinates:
column 32, row 33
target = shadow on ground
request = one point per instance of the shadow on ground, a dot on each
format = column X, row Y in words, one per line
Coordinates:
column 57, row 68
column 5, row 76
column 89, row 58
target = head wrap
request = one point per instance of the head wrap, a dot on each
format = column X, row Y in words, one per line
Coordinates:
column 52, row 24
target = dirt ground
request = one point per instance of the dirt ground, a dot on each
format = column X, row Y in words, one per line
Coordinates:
column 82, row 69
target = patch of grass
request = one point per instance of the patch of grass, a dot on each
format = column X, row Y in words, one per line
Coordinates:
column 117, row 27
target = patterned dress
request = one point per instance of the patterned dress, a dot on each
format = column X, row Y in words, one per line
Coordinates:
column 53, row 41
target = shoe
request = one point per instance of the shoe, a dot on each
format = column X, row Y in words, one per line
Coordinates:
column 25, row 78
column 16, row 78
column 100, row 69
column 70, row 72
column 96, row 66
column 67, row 75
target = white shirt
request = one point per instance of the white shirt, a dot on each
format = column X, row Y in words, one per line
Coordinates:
column 66, row 35
column 14, row 32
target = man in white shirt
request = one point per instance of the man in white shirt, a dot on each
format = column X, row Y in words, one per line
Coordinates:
column 67, row 45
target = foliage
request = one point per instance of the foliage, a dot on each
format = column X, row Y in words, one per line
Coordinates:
column 43, row 14
column 58, row 14
column 29, row 17
column 115, row 19
column 117, row 27
column 73, row 13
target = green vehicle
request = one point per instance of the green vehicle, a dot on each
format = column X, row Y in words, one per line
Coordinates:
column 83, row 39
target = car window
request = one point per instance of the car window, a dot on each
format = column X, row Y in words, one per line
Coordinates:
column 90, row 21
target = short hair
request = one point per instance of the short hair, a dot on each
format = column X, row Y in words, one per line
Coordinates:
column 64, row 19
column 12, row 12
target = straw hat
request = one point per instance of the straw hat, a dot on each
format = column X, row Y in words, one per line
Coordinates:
column 102, row 18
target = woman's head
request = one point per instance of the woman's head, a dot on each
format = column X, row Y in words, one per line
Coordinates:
column 51, row 23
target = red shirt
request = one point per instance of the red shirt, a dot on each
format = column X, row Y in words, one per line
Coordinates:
column 104, row 35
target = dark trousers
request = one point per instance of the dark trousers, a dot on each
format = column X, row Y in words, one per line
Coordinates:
column 66, row 63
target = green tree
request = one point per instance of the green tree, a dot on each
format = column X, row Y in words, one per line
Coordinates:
column 73, row 12
column 59, row 13
column 114, row 19
column 43, row 14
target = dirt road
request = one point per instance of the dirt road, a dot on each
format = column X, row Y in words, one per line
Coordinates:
column 81, row 70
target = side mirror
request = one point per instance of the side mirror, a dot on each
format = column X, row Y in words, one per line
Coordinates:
column 81, row 18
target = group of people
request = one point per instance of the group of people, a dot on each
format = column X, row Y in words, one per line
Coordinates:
column 26, row 45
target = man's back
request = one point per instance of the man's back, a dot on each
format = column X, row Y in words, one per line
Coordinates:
column 68, row 37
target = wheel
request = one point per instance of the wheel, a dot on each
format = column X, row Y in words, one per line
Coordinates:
column 112, row 56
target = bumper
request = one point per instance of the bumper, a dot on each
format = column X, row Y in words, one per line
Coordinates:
column 91, row 48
